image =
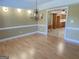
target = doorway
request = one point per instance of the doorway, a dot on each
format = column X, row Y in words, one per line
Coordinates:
column 56, row 22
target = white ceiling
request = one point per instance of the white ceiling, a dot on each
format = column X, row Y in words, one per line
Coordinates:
column 39, row 1
column 22, row 3
column 58, row 3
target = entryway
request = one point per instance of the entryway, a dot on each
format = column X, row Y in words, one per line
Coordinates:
column 56, row 22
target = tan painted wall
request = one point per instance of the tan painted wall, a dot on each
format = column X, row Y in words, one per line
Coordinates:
column 13, row 18
column 73, row 15
column 73, row 22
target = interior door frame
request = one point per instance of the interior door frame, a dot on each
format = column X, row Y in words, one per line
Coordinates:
column 65, row 7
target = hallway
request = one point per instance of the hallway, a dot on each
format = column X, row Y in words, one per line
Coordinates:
column 39, row 47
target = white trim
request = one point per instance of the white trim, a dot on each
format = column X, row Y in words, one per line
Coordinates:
column 22, row 35
column 41, row 33
column 46, row 22
column 76, row 41
column 56, row 8
column 66, row 21
column 72, row 28
column 41, row 25
column 17, row 27
column 19, row 36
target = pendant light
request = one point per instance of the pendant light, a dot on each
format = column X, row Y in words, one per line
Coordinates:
column 36, row 13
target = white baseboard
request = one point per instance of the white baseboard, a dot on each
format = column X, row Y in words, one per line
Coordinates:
column 22, row 35
column 19, row 36
column 42, row 33
column 72, row 28
column 74, row 41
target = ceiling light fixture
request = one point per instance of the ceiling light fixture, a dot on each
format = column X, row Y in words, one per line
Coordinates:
column 19, row 10
column 36, row 13
column 29, row 11
column 5, row 9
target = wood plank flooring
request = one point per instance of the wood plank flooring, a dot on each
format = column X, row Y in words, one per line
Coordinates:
column 39, row 47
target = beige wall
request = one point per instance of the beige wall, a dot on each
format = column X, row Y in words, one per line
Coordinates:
column 73, row 15
column 72, row 24
column 12, row 18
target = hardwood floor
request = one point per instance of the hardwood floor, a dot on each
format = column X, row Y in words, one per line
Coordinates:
column 39, row 47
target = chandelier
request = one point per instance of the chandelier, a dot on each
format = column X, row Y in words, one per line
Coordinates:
column 36, row 13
